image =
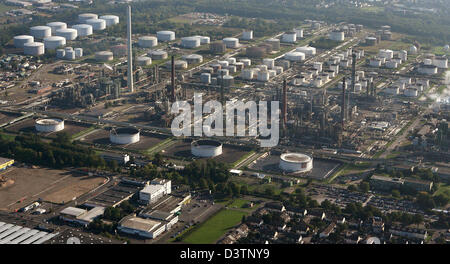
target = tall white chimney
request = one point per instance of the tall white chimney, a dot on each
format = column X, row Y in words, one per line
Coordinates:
column 129, row 52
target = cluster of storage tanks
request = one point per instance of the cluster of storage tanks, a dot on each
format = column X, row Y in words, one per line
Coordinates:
column 405, row 86
column 56, row 34
column 69, row 53
column 389, row 58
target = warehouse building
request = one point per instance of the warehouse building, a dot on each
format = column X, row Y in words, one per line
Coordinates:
column 5, row 163
column 384, row 183
column 81, row 216
column 155, row 190
column 146, row 228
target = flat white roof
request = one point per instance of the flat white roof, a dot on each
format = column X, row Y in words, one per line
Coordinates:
column 73, row 211
column 140, row 224
column 152, row 188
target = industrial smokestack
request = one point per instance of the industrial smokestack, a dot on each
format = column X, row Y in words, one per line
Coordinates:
column 284, row 103
column 343, row 103
column 129, row 52
column 222, row 97
column 172, row 76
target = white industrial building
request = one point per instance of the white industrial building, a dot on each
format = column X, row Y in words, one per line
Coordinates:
column 440, row 62
column 14, row 234
column 147, row 228
column 155, row 190
column 81, row 216
column 427, row 69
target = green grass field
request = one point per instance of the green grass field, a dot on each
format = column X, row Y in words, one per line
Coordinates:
column 210, row 231
column 443, row 189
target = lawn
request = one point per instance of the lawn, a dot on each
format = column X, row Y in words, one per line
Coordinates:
column 443, row 189
column 210, row 231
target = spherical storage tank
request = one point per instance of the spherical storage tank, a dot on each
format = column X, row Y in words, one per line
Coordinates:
column 123, row 136
column 97, row 24
column 41, row 32
column 231, row 42
column 157, row 54
column 294, row 56
column 296, row 162
column 110, row 20
column 67, row 33
column 34, row 48
column 206, row 148
column 147, row 42
column 83, row 29
column 56, row 26
column 190, row 42
column 49, row 125
column 144, row 61
column 165, row 35
column 19, row 41
column 54, row 42
column 104, row 56
column 82, row 18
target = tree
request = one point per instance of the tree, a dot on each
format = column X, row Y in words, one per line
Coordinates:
column 352, row 188
column 395, row 193
column 364, row 187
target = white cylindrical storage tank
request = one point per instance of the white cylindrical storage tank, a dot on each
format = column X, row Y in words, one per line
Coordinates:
column 190, row 42
column 70, row 55
column 337, row 35
column 224, row 71
column 278, row 69
column 227, row 80
column 157, row 54
column 358, row 87
column 82, row 18
column 247, row 62
column 19, row 41
column 272, row 73
column 179, row 64
column 56, row 26
column 296, row 162
column 78, row 52
column 403, row 54
column 124, row 136
column 289, row 37
column 60, row 53
column 247, row 35
column 67, row 33
column 231, row 42
column 54, row 42
column 223, row 63
column 144, row 61
column 104, row 56
column 231, row 60
column 263, row 76
column 97, row 24
column 318, row 65
column 83, row 29
column 41, row 32
column 193, row 58
column 270, row 63
column 299, row 32
column 295, row 56
column 165, row 35
column 204, row 40
column 110, row 20
column 263, row 67
column 34, row 48
column 48, row 125
column 247, row 74
column 147, row 42
column 206, row 148
column 205, row 78
column 391, row 64
column 386, row 53
column 413, row 49
column 275, row 43
column 440, row 62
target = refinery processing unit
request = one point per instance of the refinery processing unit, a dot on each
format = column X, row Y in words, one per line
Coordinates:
column 141, row 125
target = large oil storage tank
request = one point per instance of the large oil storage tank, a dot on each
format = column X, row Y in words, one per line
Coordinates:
column 289, row 37
column 67, row 33
column 206, row 148
column 165, row 35
column 97, row 24
column 41, row 32
column 19, row 41
column 147, row 41
column 231, row 42
column 193, row 58
column 60, row 53
column 217, row 47
column 274, row 42
column 54, row 42
column 83, row 29
column 299, row 32
column 123, row 136
column 270, row 63
column 309, row 51
column 157, row 54
column 205, row 78
column 34, row 48
column 441, row 62
column 204, row 39
column 263, row 76
column 337, row 35
column 70, row 55
column 247, row 74
column 179, row 64
column 82, row 18
column 144, row 61
column 56, row 26
column 190, row 42
column 246, row 62
column 104, row 56
column 110, row 20
column 48, row 125
column 247, row 35
column 294, row 56
column 78, row 52
column 296, row 162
